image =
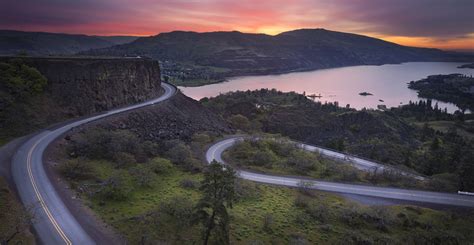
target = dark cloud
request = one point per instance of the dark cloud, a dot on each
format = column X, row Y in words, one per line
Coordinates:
column 433, row 18
column 413, row 18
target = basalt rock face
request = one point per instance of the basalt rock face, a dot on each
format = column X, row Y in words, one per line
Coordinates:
column 83, row 86
column 79, row 87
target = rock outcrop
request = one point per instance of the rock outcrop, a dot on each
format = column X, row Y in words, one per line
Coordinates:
column 89, row 85
column 78, row 87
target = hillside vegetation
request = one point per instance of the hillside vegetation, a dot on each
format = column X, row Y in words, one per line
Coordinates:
column 455, row 88
column 22, row 95
column 401, row 137
column 150, row 192
column 190, row 58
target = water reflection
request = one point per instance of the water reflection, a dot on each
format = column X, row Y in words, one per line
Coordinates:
column 387, row 83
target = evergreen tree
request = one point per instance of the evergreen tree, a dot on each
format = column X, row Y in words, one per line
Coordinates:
column 218, row 195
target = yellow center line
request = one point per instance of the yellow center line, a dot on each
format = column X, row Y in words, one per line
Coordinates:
column 40, row 198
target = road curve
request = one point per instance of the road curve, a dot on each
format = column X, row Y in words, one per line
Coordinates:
column 215, row 153
column 54, row 222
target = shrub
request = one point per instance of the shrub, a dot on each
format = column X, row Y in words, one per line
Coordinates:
column 189, row 184
column 160, row 165
column 123, row 159
column 201, row 138
column 117, row 187
column 175, row 215
column 297, row 239
column 76, row 168
column 142, row 175
column 239, row 122
column 264, row 158
column 268, row 222
column 104, row 144
column 179, row 153
column 246, row 190
column 305, row 187
column 317, row 211
column 342, row 172
column 351, row 216
column 302, row 161
column 302, row 201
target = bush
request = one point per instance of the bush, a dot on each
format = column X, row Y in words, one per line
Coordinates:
column 303, row 161
column 172, row 218
column 189, row 184
column 444, row 182
column 302, row 201
column 123, row 159
column 160, row 165
column 317, row 211
column 179, row 153
column 342, row 172
column 246, row 190
column 239, row 122
column 104, row 144
column 76, row 168
column 297, row 239
column 305, row 187
column 201, row 139
column 117, row 187
column 264, row 158
column 268, row 222
column 142, row 175
column 351, row 216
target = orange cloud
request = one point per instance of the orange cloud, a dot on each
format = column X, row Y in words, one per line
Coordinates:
column 431, row 23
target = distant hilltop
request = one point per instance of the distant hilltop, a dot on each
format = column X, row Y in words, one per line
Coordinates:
column 188, row 56
column 192, row 58
column 45, row 43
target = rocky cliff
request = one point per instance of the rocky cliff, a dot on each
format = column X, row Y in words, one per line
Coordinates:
column 84, row 85
column 78, row 87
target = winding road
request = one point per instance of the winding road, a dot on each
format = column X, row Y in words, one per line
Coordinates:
column 54, row 222
column 215, row 153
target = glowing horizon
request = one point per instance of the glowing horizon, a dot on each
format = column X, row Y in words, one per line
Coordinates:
column 422, row 23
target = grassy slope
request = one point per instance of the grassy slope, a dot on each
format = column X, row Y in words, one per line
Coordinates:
column 248, row 215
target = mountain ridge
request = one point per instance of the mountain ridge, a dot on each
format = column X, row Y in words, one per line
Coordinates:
column 13, row 42
column 190, row 56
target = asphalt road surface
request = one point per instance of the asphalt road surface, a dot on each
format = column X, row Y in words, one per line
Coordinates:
column 54, row 222
column 216, row 150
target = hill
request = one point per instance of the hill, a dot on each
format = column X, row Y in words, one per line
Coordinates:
column 44, row 43
column 189, row 57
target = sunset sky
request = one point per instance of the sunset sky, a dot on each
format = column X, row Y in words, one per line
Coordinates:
column 446, row 24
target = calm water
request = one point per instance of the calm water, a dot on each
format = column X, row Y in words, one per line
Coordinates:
column 387, row 83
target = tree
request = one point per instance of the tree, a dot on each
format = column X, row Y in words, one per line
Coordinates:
column 218, row 194
column 240, row 122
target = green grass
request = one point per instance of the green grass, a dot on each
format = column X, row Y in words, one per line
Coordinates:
column 247, row 215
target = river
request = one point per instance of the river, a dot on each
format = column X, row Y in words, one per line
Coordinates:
column 387, row 83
